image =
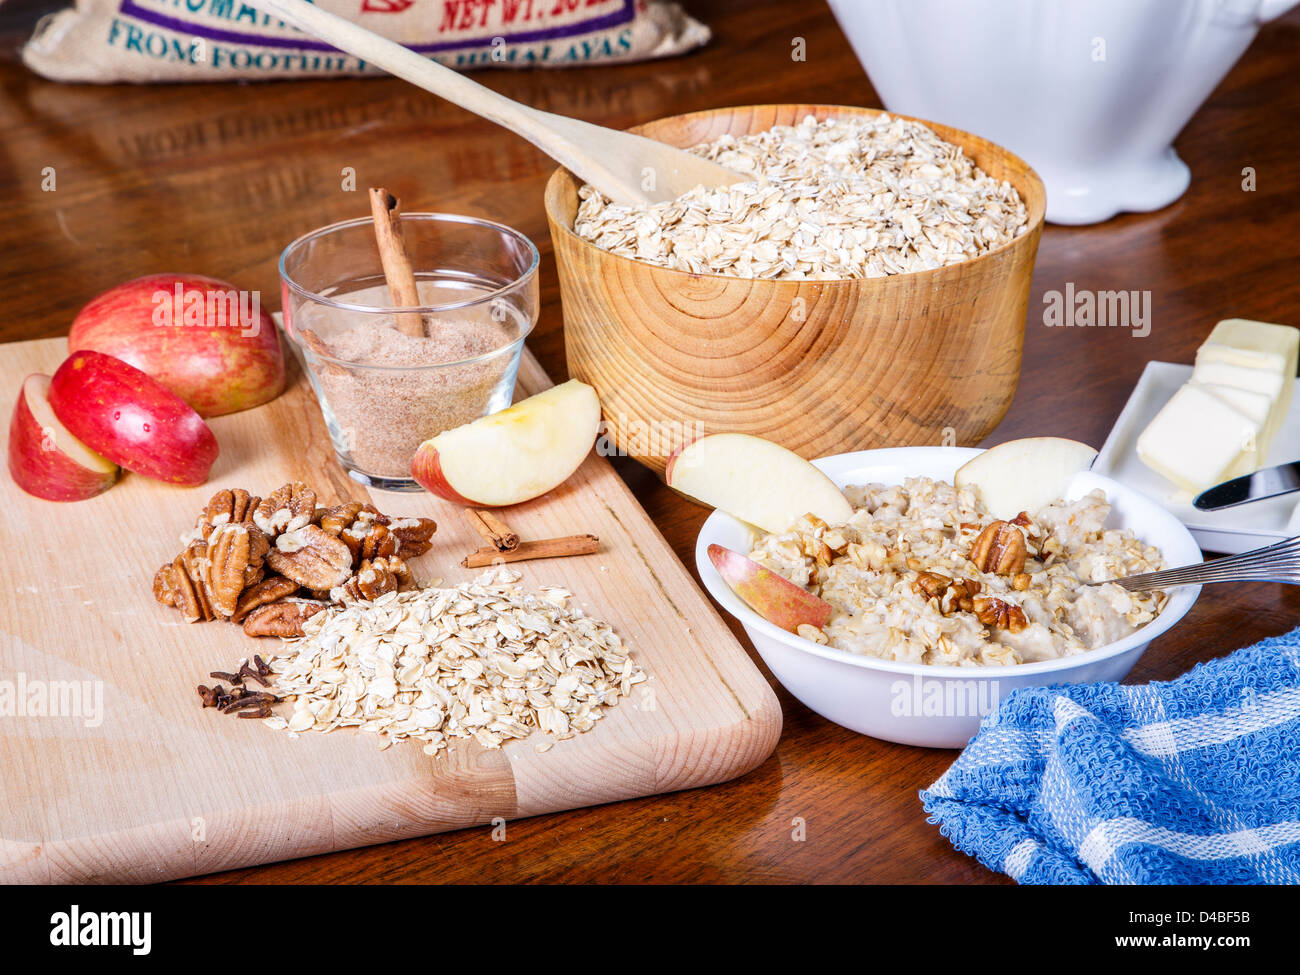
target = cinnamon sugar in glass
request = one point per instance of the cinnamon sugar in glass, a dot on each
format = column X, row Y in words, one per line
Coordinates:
column 383, row 391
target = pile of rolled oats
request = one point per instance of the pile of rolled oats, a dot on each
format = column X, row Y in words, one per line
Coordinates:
column 484, row 660
column 857, row 197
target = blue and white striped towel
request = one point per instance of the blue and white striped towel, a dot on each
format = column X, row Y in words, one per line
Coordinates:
column 1192, row 781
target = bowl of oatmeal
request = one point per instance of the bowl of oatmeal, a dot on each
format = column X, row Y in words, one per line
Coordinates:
column 938, row 612
column 880, row 261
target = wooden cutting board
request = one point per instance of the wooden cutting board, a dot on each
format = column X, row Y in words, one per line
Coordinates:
column 160, row 788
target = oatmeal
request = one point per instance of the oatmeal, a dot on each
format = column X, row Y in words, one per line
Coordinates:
column 856, row 197
column 921, row 573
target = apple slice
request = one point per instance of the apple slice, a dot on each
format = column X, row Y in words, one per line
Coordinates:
column 773, row 597
column 134, row 421
column 1024, row 475
column 47, row 461
column 756, row 481
column 515, row 455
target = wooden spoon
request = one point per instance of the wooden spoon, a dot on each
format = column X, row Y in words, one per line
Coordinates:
column 625, row 168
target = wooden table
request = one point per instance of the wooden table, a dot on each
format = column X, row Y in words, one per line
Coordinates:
column 217, row 178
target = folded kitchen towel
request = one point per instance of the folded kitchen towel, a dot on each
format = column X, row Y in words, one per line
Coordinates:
column 1193, row 781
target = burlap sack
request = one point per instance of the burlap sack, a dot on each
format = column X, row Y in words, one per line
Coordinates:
column 215, row 40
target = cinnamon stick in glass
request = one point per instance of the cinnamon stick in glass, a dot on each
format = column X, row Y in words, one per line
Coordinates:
column 392, row 254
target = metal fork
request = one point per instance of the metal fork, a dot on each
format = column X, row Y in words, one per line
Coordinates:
column 1279, row 562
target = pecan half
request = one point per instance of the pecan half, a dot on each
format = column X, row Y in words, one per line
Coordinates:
column 992, row 611
column 228, row 506
column 368, row 540
column 414, row 534
column 192, row 597
column 932, row 584
column 959, row 596
column 268, row 590
column 374, row 578
column 311, row 557
column 164, row 585
column 288, row 508
column 370, row 513
column 258, row 543
column 227, row 563
column 335, row 519
column 283, row 619
column 380, row 543
column 999, row 548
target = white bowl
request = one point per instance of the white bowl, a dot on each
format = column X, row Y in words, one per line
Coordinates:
column 917, row 704
column 1091, row 93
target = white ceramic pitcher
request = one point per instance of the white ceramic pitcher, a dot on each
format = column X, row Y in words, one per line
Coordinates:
column 1090, row 92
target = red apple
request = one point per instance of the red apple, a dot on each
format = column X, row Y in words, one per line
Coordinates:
column 515, row 455
column 118, row 411
column 773, row 597
column 203, row 339
column 47, row 461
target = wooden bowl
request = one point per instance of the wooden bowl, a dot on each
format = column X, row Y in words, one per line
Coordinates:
column 823, row 367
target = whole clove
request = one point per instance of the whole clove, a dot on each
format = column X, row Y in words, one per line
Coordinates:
column 248, row 671
column 241, row 699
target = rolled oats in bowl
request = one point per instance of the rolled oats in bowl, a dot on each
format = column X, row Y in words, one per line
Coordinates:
column 922, row 574
column 853, row 197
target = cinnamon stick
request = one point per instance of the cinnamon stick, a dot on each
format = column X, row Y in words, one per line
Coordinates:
column 319, row 346
column 392, row 253
column 546, row 548
column 493, row 530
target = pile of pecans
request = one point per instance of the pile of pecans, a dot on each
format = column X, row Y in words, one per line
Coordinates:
column 272, row 563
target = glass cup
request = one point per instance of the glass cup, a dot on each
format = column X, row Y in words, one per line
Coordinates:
column 390, row 378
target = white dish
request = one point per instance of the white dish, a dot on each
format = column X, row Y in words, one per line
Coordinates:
column 1091, row 93
column 1231, row 530
column 896, row 701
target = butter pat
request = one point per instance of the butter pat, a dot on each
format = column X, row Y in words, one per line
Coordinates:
column 1257, row 406
column 1269, row 382
column 1198, row 440
column 1221, row 423
column 1255, row 356
column 1255, row 345
column 1247, row 379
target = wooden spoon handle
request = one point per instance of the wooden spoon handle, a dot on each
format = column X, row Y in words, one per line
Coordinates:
column 539, row 128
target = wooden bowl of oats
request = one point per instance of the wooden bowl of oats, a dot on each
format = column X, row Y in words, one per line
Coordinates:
column 871, row 291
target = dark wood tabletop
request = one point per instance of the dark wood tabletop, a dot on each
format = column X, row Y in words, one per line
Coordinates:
column 217, row 178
